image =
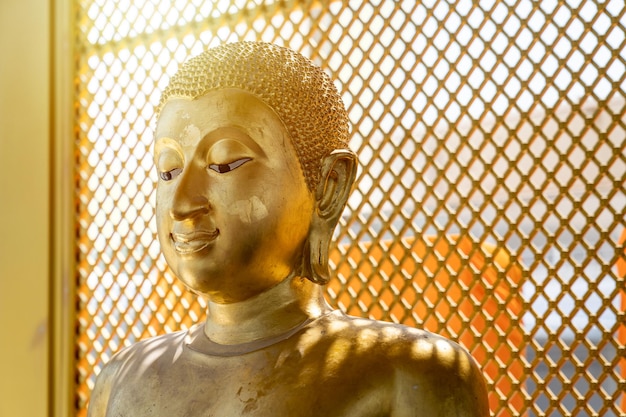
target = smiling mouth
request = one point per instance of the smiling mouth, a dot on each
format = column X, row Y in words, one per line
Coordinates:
column 186, row 243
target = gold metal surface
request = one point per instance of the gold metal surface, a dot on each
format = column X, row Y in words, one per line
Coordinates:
column 491, row 141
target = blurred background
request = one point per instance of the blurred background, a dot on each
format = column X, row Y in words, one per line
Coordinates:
column 489, row 205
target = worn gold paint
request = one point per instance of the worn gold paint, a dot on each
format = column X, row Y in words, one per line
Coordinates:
column 270, row 345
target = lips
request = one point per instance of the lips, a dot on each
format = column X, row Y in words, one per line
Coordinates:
column 186, row 243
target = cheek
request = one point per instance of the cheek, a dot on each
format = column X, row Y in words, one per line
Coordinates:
column 159, row 216
column 164, row 198
column 251, row 210
column 162, row 217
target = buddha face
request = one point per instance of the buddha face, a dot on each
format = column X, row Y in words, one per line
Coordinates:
column 233, row 209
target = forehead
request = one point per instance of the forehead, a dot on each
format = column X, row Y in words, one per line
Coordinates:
column 221, row 108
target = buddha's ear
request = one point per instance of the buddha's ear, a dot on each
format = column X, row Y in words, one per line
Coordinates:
column 338, row 171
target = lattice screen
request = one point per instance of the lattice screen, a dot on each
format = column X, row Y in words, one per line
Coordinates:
column 490, row 204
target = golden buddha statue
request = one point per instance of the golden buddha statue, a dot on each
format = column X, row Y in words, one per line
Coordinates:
column 254, row 172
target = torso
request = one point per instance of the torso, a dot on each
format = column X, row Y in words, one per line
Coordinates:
column 335, row 366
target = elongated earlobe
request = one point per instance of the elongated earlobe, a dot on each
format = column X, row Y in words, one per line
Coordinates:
column 315, row 261
column 338, row 171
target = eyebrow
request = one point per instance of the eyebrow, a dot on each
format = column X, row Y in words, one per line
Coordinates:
column 238, row 133
column 166, row 142
column 233, row 132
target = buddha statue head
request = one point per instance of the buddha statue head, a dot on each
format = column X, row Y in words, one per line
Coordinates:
column 254, row 169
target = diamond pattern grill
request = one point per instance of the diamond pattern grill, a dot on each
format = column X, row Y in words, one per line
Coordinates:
column 490, row 204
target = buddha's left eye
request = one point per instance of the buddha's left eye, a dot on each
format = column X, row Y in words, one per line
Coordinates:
column 224, row 168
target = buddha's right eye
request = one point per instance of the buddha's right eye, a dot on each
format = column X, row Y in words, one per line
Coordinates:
column 170, row 175
column 169, row 163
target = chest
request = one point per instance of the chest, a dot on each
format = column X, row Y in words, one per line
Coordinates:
column 260, row 386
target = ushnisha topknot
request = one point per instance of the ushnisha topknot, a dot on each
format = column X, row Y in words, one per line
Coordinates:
column 300, row 93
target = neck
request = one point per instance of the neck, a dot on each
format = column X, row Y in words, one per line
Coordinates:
column 265, row 315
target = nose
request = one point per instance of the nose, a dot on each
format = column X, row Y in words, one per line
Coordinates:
column 190, row 198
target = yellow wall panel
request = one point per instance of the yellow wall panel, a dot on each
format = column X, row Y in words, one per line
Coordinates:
column 24, row 206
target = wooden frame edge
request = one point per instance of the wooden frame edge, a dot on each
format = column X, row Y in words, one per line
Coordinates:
column 62, row 244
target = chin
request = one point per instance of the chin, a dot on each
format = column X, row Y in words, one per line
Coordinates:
column 200, row 283
column 195, row 288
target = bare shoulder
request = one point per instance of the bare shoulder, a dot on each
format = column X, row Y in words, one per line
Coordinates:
column 439, row 378
column 126, row 364
column 102, row 390
column 431, row 375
